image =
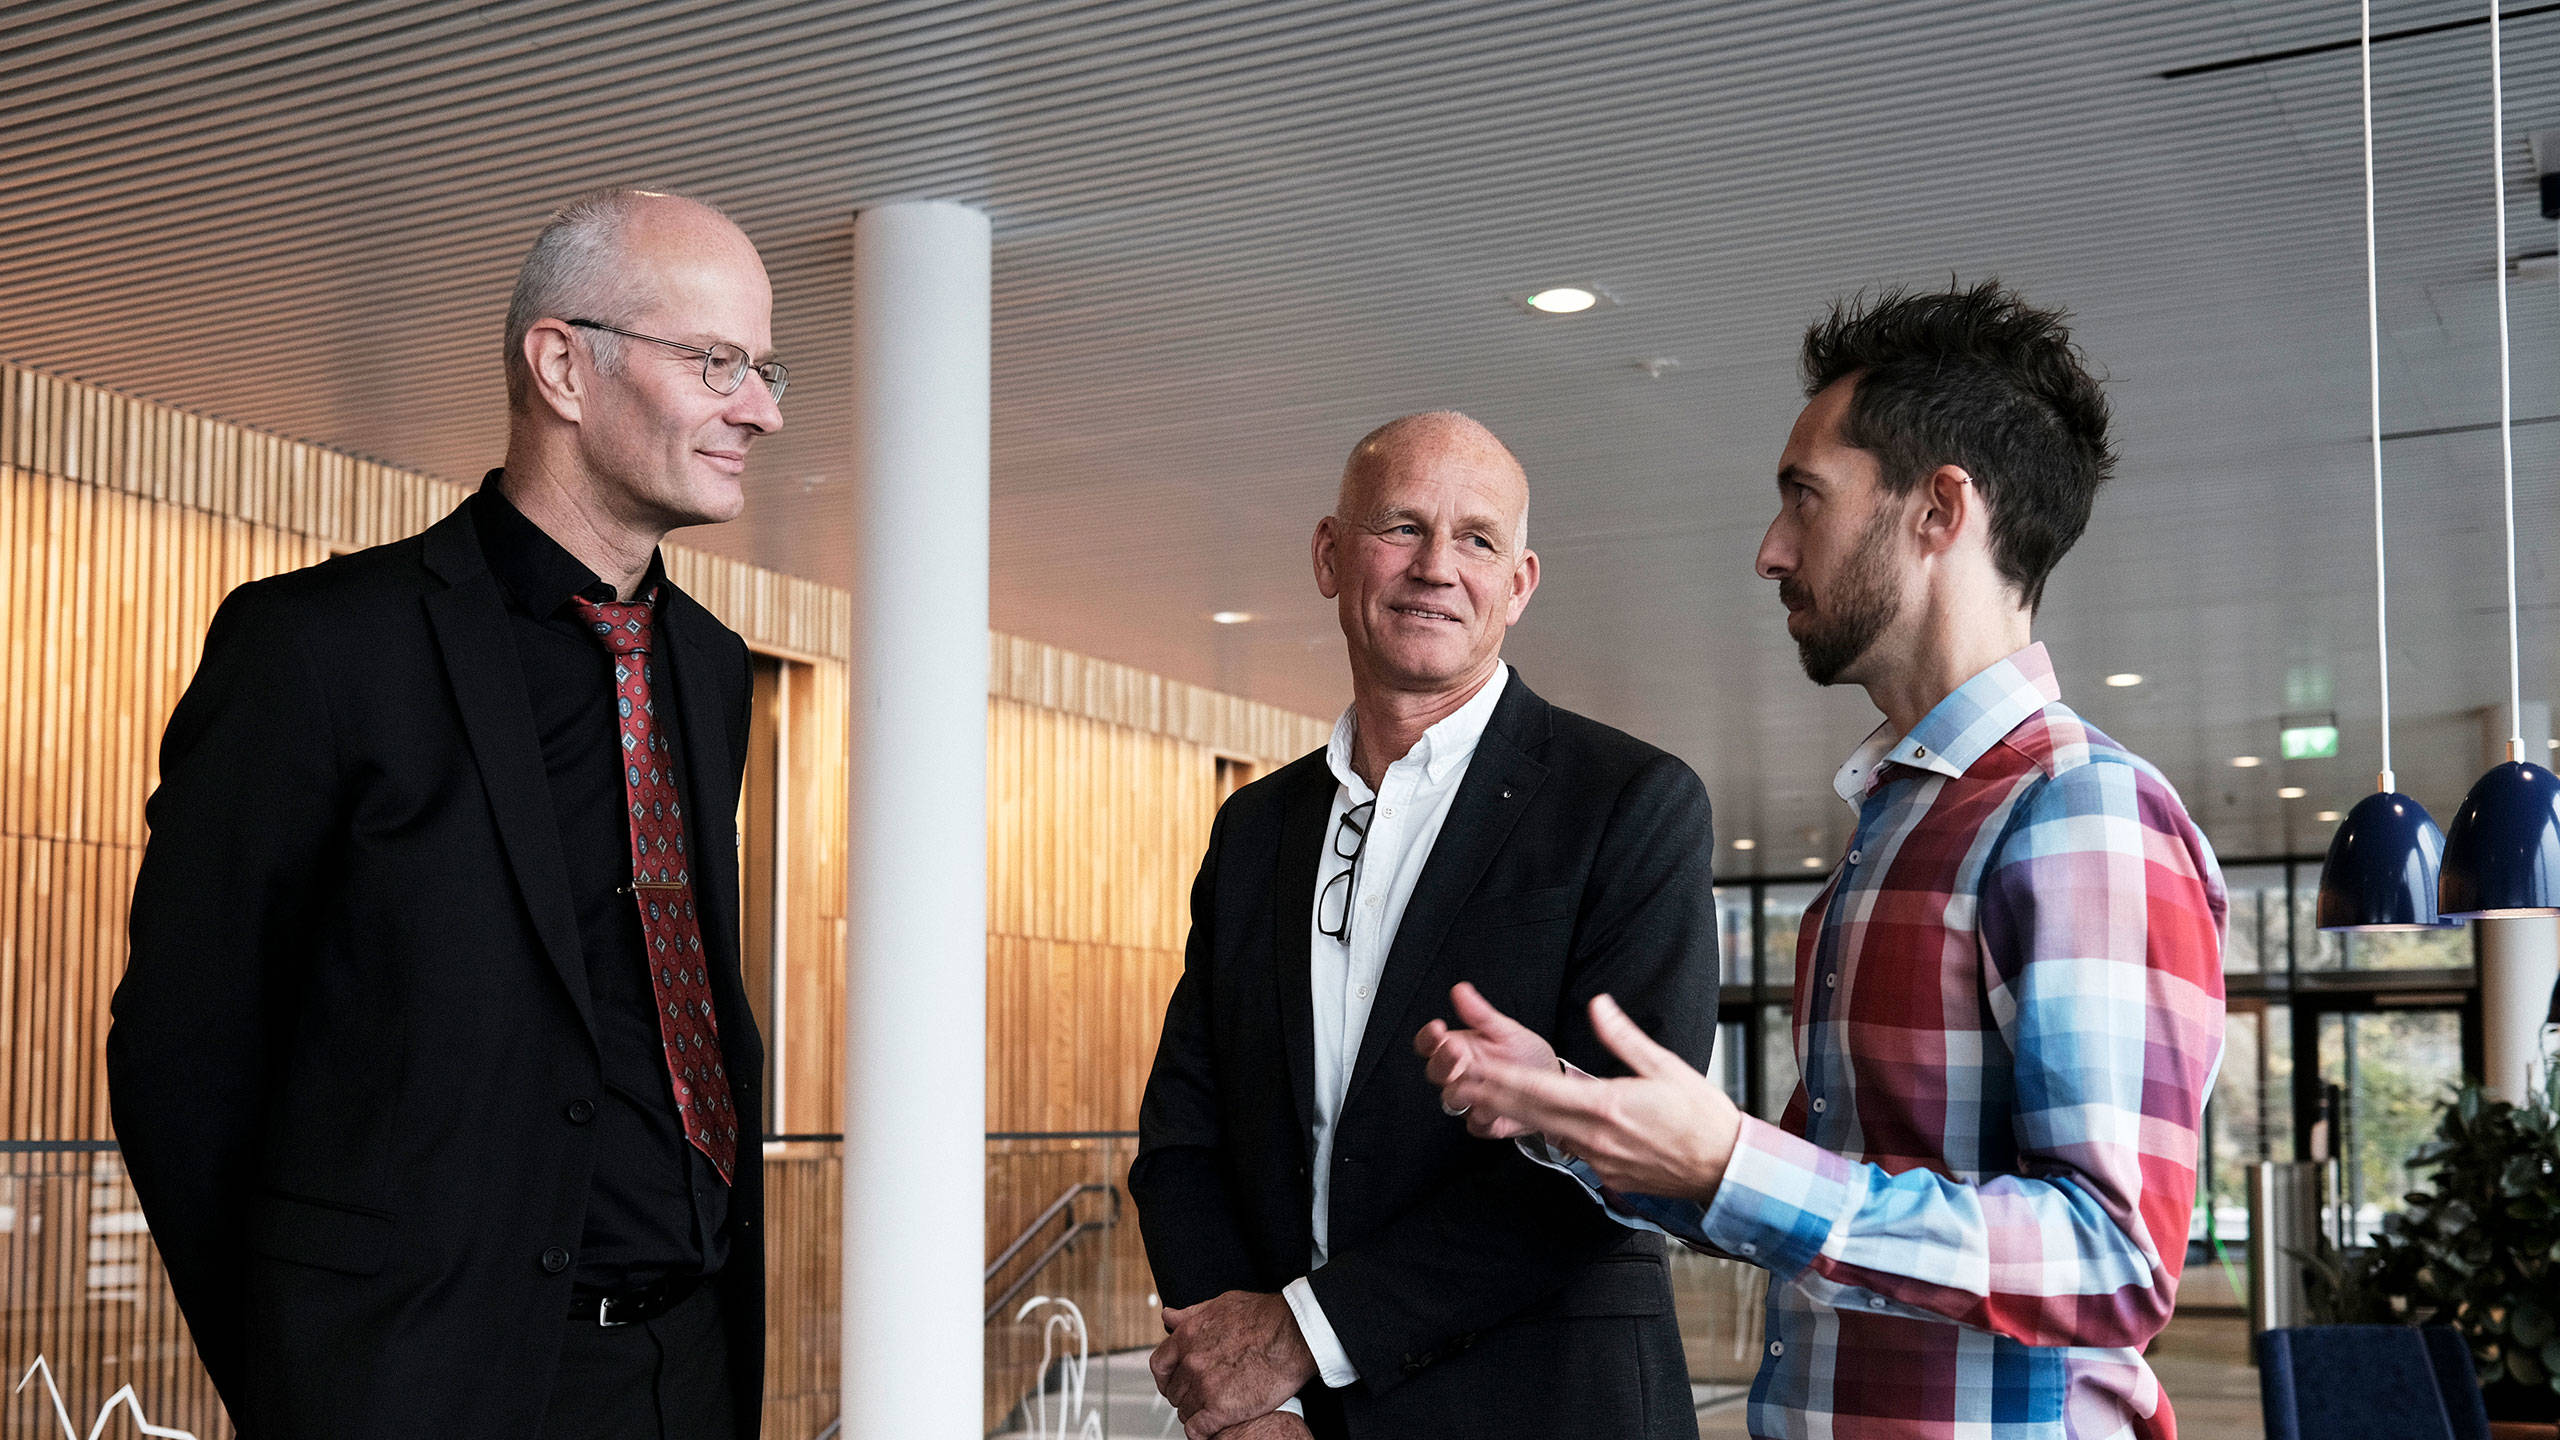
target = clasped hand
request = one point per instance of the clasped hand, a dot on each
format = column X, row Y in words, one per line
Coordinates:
column 1227, row 1363
column 1663, row 1130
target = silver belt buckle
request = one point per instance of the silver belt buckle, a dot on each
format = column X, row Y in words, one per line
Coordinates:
column 604, row 1313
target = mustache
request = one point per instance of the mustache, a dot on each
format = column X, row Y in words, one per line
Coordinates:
column 1793, row 594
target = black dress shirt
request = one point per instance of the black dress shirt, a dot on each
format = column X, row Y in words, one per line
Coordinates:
column 657, row 1204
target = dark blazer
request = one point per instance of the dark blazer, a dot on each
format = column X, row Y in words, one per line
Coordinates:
column 1477, row 1293
column 352, row 1043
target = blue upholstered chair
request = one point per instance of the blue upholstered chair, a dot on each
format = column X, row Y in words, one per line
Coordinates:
column 2369, row 1382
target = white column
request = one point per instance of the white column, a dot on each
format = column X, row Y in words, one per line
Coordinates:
column 916, row 854
column 2519, row 963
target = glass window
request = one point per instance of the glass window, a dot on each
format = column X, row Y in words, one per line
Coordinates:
column 2250, row 1117
column 2257, row 937
column 2396, row 1068
column 1733, row 1038
column 2313, row 948
column 1733, row 932
column 1777, row 1060
column 2410, row 950
column 1782, row 907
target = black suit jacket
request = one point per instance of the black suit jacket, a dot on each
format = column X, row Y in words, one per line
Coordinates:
column 350, row 1042
column 1477, row 1293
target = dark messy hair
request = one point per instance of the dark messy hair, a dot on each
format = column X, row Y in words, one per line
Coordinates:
column 1976, row 378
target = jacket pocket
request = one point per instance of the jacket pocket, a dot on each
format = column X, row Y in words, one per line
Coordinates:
column 1634, row 1285
column 344, row 1238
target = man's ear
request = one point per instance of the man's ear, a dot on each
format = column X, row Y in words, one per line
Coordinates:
column 1524, row 583
column 1328, row 582
column 559, row 381
column 1949, row 504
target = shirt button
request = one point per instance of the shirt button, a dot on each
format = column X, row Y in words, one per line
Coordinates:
column 1362, row 992
column 554, row 1260
column 1921, row 751
column 1856, row 855
column 1831, row 981
column 1373, row 902
column 1748, row 1248
column 1876, row 1304
column 1391, row 814
column 581, row 1111
column 1777, row 1347
column 1817, row 1104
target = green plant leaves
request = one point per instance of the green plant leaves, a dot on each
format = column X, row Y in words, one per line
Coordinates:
column 2476, row 1245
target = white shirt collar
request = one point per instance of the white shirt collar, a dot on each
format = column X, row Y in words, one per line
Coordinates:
column 1443, row 748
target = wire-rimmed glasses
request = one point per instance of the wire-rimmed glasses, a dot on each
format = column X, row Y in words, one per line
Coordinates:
column 1348, row 837
column 724, row 366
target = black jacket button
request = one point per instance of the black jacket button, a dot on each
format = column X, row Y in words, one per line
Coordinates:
column 554, row 1260
column 581, row 1111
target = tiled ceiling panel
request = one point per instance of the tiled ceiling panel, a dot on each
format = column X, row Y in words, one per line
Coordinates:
column 1230, row 237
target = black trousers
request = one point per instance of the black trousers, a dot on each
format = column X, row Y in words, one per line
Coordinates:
column 661, row 1379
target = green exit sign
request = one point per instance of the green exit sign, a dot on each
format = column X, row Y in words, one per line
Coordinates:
column 2308, row 742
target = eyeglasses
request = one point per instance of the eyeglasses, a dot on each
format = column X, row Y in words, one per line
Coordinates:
column 724, row 366
column 1348, row 837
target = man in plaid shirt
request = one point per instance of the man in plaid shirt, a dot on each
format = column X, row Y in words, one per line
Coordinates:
column 2008, row 1001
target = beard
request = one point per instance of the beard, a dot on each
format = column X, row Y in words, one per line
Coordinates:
column 1861, row 603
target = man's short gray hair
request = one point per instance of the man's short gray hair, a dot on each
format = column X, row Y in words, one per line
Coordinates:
column 576, row 271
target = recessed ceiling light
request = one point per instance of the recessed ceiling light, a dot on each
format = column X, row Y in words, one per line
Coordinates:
column 1813, row 862
column 2291, row 792
column 2124, row 678
column 1746, row 844
column 2246, row 762
column 1564, row 299
column 1231, row 617
column 2328, row 817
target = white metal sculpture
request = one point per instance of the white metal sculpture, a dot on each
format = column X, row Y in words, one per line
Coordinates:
column 123, row 1396
column 1064, row 1416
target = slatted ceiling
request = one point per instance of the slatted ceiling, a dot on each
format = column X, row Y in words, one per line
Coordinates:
column 1232, row 237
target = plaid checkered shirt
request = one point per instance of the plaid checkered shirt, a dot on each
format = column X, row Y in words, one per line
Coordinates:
column 2008, row 1013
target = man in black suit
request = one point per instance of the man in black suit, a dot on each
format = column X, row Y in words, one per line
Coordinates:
column 432, row 1065
column 1340, row 1256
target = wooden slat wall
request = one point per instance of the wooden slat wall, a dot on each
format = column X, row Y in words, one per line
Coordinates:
column 124, row 523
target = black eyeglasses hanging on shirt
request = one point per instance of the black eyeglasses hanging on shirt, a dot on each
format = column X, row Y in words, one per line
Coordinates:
column 1348, row 836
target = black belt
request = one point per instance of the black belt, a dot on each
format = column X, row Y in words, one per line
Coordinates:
column 632, row 1304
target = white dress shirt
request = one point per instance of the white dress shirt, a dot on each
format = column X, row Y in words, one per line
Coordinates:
column 1412, row 801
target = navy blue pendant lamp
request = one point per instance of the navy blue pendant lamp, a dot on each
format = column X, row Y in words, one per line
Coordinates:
column 2502, row 857
column 2382, row 868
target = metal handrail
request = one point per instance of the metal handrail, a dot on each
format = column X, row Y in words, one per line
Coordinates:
column 1064, row 1204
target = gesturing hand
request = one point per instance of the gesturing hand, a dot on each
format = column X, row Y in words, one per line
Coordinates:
column 1665, row 1130
column 1230, row 1359
column 1491, row 1038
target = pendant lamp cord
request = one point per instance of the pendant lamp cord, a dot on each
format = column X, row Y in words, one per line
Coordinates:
column 2506, row 399
column 2373, row 357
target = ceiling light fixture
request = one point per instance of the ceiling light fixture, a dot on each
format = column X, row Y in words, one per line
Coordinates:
column 2124, row 679
column 2502, row 856
column 1230, row 617
column 2246, row 762
column 2380, row 873
column 1566, row 299
column 2327, row 817
column 1746, row 844
column 2291, row 792
column 1813, row 862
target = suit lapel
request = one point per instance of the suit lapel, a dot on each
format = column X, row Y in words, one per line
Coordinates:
column 1500, row 780
column 469, row 619
column 1302, row 837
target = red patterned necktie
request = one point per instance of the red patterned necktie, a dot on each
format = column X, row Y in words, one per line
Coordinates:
column 662, row 882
